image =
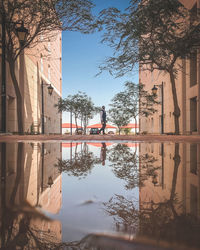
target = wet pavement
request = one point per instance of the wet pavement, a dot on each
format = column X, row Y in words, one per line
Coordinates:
column 50, row 137
column 99, row 193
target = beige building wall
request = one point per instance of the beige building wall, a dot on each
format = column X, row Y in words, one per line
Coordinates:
column 42, row 63
column 188, row 94
column 27, row 188
column 165, row 178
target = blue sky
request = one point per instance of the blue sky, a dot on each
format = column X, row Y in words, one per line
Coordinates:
column 81, row 56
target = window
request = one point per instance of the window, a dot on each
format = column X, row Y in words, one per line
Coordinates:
column 193, row 114
column 193, row 158
column 41, row 64
column 193, row 200
column 152, row 125
column 49, row 72
column 193, row 68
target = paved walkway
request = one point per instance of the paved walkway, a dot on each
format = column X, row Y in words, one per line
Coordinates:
column 173, row 138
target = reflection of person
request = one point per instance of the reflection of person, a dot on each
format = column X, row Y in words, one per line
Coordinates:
column 103, row 153
column 103, row 120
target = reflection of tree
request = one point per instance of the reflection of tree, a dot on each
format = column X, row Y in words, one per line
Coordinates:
column 147, row 167
column 80, row 165
column 156, row 220
column 125, row 164
column 20, row 231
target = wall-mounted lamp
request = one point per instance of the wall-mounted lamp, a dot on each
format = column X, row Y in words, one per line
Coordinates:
column 22, row 33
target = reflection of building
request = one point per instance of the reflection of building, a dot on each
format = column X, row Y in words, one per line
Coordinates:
column 164, row 180
column 31, row 182
column 187, row 87
column 36, row 69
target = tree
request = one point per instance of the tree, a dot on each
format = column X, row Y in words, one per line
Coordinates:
column 135, row 100
column 41, row 18
column 117, row 117
column 80, row 105
column 153, row 34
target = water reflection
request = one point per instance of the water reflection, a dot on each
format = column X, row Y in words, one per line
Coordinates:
column 169, row 206
column 143, row 191
column 125, row 164
column 26, row 170
column 80, row 163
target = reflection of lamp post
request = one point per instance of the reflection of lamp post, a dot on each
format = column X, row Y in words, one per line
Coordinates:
column 154, row 180
column 154, row 91
column 50, row 91
column 21, row 33
column 50, row 181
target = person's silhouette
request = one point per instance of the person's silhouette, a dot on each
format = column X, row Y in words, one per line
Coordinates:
column 103, row 120
column 103, row 153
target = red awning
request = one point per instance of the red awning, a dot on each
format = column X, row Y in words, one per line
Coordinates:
column 131, row 144
column 98, row 144
column 68, row 125
column 131, row 125
column 70, row 144
column 99, row 125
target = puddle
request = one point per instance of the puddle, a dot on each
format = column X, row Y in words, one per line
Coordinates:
column 100, row 195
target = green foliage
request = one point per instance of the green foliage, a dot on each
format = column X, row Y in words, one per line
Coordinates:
column 127, row 131
column 125, row 105
column 117, row 117
column 80, row 105
column 169, row 35
column 43, row 18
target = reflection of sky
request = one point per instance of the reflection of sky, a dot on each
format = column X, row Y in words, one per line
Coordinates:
column 82, row 210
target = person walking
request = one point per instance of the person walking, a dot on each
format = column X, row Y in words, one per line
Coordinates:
column 103, row 120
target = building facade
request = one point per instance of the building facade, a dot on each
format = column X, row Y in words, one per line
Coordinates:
column 188, row 92
column 31, row 185
column 170, row 189
column 36, row 69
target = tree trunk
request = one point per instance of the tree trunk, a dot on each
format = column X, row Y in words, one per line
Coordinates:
column 176, row 112
column 135, row 126
column 20, row 154
column 18, row 97
column 177, row 161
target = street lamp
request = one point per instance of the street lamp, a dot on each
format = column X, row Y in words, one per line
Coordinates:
column 50, row 91
column 21, row 33
column 154, row 92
